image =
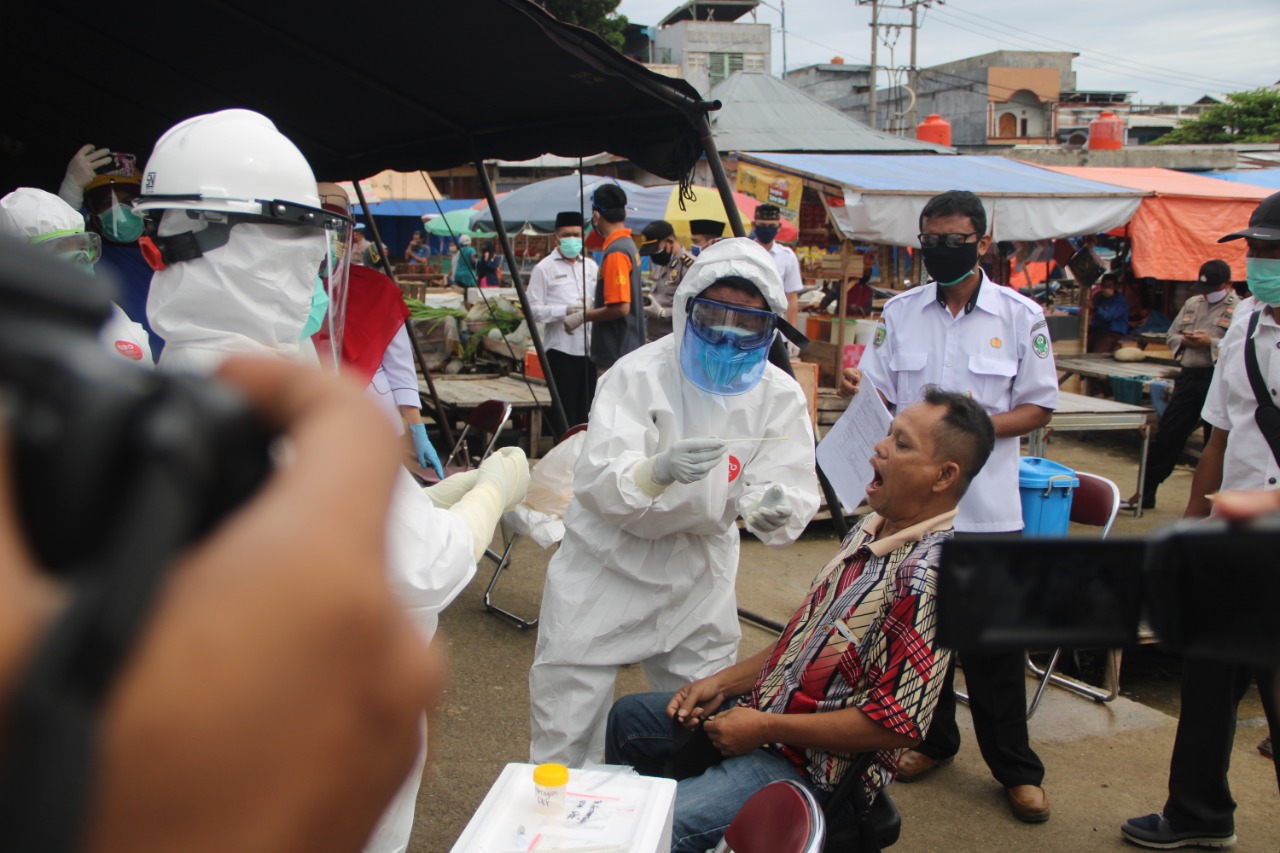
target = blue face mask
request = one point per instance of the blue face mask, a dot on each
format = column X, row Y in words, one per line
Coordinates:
column 1264, row 279
column 695, row 250
column 571, row 247
column 319, row 305
column 725, row 360
column 766, row 233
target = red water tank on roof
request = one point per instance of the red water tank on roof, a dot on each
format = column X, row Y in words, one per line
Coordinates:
column 935, row 129
column 1106, row 132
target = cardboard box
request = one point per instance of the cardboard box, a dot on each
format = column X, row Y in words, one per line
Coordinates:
column 807, row 376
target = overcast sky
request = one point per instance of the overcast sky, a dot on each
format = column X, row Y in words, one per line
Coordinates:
column 1170, row 51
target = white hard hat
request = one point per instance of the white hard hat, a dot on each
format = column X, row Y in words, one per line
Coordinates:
column 30, row 214
column 233, row 161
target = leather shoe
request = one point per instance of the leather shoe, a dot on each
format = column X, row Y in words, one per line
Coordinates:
column 914, row 766
column 1029, row 803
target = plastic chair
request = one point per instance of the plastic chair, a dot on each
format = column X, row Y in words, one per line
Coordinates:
column 782, row 817
column 503, row 561
column 1095, row 503
column 487, row 419
column 875, row 825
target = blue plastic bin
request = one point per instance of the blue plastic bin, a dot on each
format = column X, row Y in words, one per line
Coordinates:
column 1046, row 488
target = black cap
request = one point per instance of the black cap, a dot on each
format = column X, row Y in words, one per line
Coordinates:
column 767, row 212
column 608, row 197
column 568, row 219
column 706, row 227
column 1264, row 224
column 1213, row 274
column 653, row 234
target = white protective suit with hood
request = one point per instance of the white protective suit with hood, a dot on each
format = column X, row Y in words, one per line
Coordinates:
column 651, row 580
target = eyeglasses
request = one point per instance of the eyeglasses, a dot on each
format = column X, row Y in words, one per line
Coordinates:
column 951, row 241
column 717, row 322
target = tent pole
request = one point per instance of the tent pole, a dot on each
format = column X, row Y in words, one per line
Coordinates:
column 557, row 407
column 721, row 179
column 778, row 354
column 446, row 428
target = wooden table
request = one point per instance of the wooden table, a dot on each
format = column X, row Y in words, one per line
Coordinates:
column 1103, row 366
column 459, row 394
column 1077, row 412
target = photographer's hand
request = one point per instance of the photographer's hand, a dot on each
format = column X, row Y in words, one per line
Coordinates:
column 277, row 671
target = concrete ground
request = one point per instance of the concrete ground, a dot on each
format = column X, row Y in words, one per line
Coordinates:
column 1105, row 763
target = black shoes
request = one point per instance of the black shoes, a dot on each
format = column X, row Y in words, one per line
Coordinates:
column 1155, row 832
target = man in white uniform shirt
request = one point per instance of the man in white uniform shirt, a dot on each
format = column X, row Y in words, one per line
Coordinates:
column 962, row 332
column 1200, row 811
column 564, row 283
column 765, row 225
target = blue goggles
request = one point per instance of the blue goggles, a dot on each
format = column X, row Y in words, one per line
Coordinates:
column 718, row 322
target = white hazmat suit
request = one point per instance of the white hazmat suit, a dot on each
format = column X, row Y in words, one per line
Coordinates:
column 651, row 579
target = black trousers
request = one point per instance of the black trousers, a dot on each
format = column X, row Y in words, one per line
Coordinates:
column 997, row 684
column 1177, row 423
column 575, row 378
column 1199, row 796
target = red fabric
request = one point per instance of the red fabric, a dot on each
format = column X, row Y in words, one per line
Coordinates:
column 375, row 312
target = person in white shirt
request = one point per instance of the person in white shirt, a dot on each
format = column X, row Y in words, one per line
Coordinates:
column 765, row 226
column 962, row 332
column 1200, row 811
column 564, row 283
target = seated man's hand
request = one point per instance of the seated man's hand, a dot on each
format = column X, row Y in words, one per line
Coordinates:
column 737, row 731
column 695, row 701
column 850, row 382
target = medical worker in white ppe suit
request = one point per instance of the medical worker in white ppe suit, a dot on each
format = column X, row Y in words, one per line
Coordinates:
column 645, row 572
column 241, row 242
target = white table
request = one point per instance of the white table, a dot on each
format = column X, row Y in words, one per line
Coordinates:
column 628, row 813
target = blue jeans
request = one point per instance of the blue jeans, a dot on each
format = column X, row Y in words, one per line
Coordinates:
column 640, row 734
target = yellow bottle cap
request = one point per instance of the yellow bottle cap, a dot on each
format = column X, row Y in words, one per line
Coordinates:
column 551, row 775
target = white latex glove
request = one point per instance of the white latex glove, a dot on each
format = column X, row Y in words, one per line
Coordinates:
column 572, row 322
column 501, row 483
column 80, row 171
column 771, row 511
column 688, row 460
column 656, row 311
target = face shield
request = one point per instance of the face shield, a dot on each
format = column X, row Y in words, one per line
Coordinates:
column 77, row 247
column 334, row 271
column 111, row 213
column 724, row 349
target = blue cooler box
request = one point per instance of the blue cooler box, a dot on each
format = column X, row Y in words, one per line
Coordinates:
column 1046, row 488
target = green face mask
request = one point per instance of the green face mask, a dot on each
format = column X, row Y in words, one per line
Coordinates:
column 1264, row 279
column 571, row 247
column 120, row 224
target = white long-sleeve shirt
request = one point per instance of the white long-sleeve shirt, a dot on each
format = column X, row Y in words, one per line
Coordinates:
column 557, row 286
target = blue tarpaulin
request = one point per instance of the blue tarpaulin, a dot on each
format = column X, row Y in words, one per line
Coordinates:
column 1257, row 177
column 884, row 194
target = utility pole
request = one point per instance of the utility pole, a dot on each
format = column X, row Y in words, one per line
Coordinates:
column 875, row 38
column 781, row 9
column 913, row 74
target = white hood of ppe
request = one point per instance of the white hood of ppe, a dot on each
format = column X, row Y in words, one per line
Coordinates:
column 252, row 295
column 736, row 256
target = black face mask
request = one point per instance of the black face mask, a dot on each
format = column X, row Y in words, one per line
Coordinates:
column 661, row 258
column 949, row 266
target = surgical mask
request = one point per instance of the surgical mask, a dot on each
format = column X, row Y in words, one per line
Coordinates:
column 120, row 224
column 766, row 233
column 948, row 266
column 319, row 305
column 1264, row 279
column 661, row 258
column 1215, row 297
column 571, row 247
column 724, row 349
column 695, row 250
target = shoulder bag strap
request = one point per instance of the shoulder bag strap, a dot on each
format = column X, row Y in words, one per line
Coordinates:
column 1267, row 415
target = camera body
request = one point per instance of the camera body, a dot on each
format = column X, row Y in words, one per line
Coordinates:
column 1208, row 589
column 109, row 459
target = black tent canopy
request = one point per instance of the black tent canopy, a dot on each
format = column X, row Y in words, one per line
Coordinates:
column 359, row 88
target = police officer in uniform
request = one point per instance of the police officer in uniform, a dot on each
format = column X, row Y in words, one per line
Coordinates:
column 1193, row 338
column 668, row 262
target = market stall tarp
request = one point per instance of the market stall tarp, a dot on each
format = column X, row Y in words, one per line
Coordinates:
column 1176, row 229
column 1254, row 177
column 878, row 198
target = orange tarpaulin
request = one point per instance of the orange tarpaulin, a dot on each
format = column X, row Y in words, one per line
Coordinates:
column 1177, row 229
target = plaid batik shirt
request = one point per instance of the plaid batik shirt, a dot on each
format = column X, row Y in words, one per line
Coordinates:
column 863, row 638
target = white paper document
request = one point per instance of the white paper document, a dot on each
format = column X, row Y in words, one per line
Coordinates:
column 845, row 452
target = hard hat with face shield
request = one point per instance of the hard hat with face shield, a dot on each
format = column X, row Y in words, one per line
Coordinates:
column 240, row 239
